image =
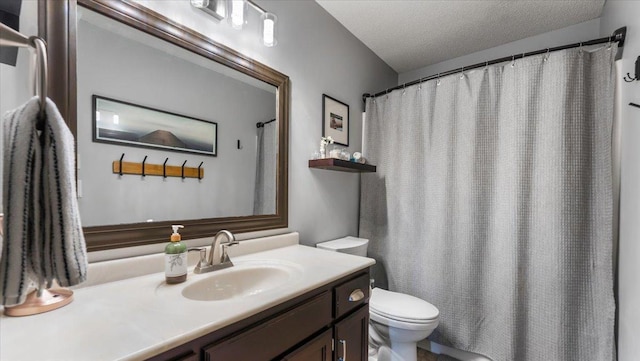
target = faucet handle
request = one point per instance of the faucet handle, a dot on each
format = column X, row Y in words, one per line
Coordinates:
column 224, row 257
column 203, row 254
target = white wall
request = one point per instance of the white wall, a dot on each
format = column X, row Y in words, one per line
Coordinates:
column 615, row 15
column 587, row 30
column 320, row 56
column 113, row 66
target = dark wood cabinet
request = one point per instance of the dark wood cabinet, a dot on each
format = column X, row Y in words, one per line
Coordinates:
column 275, row 336
column 318, row 349
column 327, row 323
column 351, row 336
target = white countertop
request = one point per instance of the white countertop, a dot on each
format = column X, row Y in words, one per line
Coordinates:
column 141, row 317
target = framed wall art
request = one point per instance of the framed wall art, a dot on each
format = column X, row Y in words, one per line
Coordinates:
column 335, row 120
column 116, row 121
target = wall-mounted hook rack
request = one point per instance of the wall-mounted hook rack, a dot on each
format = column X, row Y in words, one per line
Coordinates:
column 145, row 169
column 630, row 78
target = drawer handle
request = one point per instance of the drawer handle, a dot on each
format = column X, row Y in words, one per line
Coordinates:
column 344, row 350
column 356, row 295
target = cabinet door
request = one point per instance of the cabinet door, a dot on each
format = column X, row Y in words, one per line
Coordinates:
column 352, row 336
column 275, row 336
column 318, row 349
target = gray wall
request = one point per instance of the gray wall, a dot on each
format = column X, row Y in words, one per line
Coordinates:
column 617, row 14
column 112, row 66
column 319, row 56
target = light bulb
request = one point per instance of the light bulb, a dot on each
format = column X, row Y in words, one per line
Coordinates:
column 269, row 29
column 236, row 13
column 199, row 3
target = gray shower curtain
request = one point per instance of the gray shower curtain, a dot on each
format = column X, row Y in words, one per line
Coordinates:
column 493, row 201
column 264, row 197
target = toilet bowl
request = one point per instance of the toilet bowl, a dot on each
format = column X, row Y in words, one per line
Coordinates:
column 396, row 321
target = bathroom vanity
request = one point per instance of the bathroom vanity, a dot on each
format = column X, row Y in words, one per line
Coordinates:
column 290, row 302
column 327, row 323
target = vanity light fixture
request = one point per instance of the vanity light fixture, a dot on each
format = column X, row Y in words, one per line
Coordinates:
column 236, row 13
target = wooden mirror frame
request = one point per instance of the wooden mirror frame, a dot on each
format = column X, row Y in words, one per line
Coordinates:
column 57, row 25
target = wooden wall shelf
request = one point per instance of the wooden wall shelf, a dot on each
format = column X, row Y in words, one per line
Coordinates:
column 341, row 165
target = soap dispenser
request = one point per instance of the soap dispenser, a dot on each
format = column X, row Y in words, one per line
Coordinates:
column 175, row 258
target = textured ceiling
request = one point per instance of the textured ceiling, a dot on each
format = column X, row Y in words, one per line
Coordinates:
column 409, row 35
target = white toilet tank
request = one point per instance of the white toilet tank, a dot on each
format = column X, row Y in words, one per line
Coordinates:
column 351, row 245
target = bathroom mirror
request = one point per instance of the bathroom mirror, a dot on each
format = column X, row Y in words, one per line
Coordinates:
column 122, row 51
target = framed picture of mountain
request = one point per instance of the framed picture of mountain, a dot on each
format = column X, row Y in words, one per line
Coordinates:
column 116, row 121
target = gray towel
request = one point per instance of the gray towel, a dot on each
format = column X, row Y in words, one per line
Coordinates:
column 43, row 239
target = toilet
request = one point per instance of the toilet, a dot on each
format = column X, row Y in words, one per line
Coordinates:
column 397, row 321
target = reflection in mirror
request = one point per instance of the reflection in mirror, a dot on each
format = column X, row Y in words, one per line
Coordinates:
column 118, row 62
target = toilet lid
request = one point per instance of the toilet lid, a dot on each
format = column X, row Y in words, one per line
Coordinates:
column 401, row 307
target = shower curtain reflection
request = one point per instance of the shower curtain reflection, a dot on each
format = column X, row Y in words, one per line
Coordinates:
column 265, row 189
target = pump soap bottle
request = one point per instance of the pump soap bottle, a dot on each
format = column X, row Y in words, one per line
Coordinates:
column 175, row 258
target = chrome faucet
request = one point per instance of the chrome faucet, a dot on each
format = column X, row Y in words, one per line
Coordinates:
column 218, row 257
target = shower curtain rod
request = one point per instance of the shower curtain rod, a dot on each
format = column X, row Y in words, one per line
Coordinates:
column 261, row 124
column 618, row 36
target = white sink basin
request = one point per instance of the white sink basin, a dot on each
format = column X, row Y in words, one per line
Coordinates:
column 241, row 280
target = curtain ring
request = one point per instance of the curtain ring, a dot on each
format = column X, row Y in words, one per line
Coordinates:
column 546, row 56
column 438, row 80
column 580, row 49
column 404, row 88
column 609, row 44
column 486, row 65
column 462, row 73
column 387, row 94
column 513, row 61
column 420, row 84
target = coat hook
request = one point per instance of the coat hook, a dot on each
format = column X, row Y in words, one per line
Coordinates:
column 185, row 162
column 239, row 145
column 164, row 168
column 630, row 78
column 143, row 161
column 199, row 176
column 122, row 156
column 634, row 105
